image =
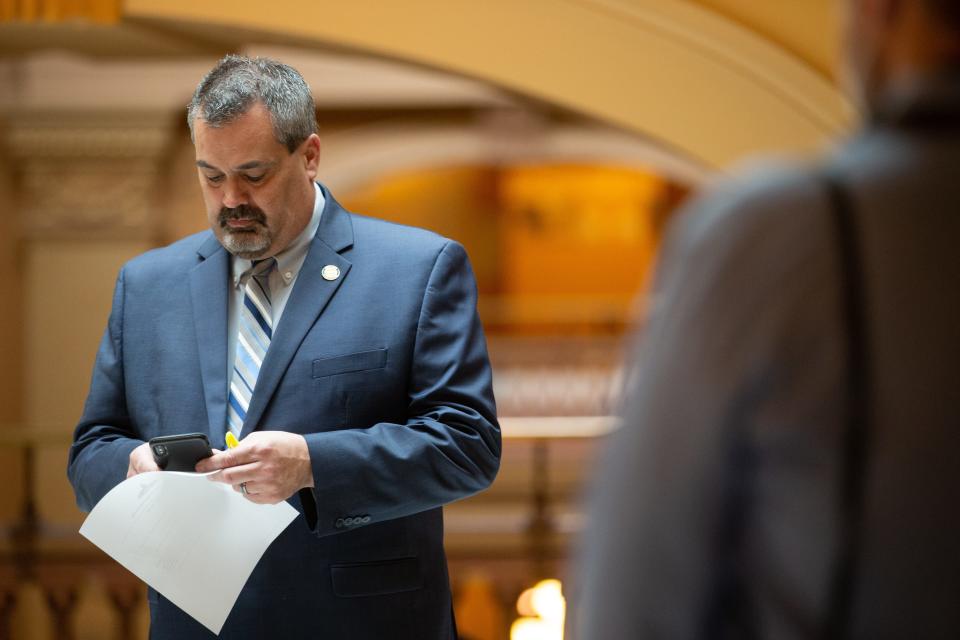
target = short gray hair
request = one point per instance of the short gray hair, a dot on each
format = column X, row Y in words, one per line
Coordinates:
column 236, row 83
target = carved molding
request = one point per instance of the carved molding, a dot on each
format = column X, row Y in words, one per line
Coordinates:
column 88, row 174
column 557, row 390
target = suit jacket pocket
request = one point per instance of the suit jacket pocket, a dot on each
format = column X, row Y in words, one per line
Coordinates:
column 375, row 578
column 360, row 361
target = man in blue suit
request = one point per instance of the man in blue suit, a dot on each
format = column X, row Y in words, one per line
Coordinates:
column 345, row 353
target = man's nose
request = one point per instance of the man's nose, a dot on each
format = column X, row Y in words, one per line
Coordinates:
column 234, row 193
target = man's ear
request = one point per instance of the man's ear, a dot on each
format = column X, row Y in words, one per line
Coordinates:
column 311, row 155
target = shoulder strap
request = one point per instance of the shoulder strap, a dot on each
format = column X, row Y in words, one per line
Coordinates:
column 855, row 442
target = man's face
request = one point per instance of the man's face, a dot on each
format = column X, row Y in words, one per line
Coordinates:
column 258, row 195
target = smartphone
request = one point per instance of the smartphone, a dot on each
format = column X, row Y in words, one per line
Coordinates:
column 180, row 452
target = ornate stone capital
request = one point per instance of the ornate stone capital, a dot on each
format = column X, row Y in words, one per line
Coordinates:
column 94, row 174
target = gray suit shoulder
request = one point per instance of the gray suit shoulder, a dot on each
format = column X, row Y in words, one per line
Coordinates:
column 751, row 236
column 760, row 198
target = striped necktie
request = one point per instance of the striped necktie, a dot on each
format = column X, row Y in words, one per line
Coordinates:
column 255, row 332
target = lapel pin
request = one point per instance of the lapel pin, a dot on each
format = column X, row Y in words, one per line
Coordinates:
column 330, row 272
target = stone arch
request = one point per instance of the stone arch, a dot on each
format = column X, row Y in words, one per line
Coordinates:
column 674, row 71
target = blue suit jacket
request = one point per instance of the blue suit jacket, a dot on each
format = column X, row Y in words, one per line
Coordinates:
column 383, row 370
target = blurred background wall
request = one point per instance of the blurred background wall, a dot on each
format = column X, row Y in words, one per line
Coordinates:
column 553, row 138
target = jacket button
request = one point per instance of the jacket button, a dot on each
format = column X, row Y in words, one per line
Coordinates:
column 339, row 523
column 365, row 519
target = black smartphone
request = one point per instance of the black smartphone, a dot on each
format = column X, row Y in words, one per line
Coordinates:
column 180, row 452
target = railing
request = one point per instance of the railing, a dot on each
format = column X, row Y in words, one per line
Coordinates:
column 55, row 558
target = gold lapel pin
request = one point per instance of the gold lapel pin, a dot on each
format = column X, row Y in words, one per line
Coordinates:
column 330, row 272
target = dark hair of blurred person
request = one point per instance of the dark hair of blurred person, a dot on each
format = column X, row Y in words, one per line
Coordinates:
column 788, row 463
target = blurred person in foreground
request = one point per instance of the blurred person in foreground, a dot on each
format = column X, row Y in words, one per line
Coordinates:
column 344, row 352
column 772, row 479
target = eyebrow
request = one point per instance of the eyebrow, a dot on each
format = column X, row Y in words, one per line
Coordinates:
column 253, row 164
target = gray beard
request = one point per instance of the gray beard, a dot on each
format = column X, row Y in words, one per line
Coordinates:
column 246, row 244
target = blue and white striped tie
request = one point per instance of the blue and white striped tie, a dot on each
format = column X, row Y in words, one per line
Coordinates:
column 255, row 332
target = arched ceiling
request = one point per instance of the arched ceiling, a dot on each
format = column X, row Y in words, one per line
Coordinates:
column 681, row 72
column 709, row 80
column 808, row 29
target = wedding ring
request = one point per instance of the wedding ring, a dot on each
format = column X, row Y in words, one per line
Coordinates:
column 243, row 488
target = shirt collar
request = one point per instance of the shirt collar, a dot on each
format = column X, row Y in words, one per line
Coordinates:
column 290, row 259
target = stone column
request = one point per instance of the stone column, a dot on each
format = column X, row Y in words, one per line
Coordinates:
column 86, row 188
column 85, row 192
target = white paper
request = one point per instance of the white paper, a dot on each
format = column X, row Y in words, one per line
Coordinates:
column 194, row 540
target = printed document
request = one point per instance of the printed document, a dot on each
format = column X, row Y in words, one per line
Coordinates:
column 193, row 540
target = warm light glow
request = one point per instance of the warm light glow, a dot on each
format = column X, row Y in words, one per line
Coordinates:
column 543, row 609
column 548, row 600
column 534, row 629
column 525, row 604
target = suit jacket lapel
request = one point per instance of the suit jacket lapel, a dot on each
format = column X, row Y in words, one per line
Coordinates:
column 208, row 290
column 311, row 294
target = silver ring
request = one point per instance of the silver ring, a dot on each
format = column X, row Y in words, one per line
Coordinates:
column 243, row 488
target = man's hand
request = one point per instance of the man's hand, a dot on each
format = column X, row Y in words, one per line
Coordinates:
column 141, row 461
column 273, row 465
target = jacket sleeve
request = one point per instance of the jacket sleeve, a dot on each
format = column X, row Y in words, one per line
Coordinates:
column 448, row 448
column 103, row 439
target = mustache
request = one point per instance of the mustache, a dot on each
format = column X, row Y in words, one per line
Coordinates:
column 243, row 212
